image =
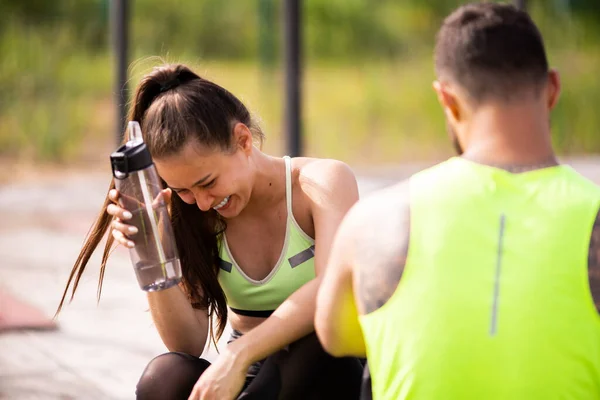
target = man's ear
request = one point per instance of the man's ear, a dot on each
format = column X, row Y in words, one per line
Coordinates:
column 553, row 88
column 448, row 101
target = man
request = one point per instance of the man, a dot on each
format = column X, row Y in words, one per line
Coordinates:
column 476, row 278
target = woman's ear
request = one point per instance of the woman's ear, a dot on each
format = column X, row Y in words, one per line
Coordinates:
column 242, row 138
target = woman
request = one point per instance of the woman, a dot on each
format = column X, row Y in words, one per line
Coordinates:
column 250, row 228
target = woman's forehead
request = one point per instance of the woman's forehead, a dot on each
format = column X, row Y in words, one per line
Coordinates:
column 187, row 167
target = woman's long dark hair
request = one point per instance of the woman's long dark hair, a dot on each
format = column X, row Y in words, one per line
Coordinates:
column 173, row 105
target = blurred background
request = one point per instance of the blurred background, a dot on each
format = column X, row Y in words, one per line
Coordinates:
column 367, row 72
column 366, row 99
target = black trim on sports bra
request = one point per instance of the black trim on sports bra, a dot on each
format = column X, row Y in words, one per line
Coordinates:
column 253, row 313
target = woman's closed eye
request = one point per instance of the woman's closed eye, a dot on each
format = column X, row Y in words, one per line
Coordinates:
column 209, row 184
column 205, row 186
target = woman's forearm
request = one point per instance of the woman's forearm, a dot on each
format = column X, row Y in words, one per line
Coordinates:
column 292, row 320
column 181, row 327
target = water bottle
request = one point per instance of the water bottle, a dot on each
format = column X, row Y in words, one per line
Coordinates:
column 154, row 256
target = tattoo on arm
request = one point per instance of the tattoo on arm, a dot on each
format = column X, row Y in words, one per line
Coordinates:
column 594, row 262
column 381, row 255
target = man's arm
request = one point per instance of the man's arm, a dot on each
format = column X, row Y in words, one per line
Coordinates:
column 366, row 263
column 594, row 262
column 382, row 256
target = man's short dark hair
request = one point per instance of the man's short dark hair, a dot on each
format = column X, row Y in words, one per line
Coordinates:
column 491, row 50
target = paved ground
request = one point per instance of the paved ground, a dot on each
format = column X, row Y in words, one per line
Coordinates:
column 99, row 350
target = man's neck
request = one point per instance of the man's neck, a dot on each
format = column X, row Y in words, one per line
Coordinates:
column 512, row 137
column 516, row 168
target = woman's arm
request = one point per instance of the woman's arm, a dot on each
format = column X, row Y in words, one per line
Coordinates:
column 180, row 326
column 331, row 187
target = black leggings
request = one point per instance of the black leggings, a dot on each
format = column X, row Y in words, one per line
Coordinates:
column 303, row 370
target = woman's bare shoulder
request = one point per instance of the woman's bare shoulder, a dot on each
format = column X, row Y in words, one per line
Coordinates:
column 322, row 171
column 324, row 179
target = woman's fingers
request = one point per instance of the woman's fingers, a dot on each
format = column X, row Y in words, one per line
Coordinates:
column 120, row 231
column 128, row 230
column 163, row 198
column 113, row 195
column 167, row 195
column 122, row 239
column 118, row 212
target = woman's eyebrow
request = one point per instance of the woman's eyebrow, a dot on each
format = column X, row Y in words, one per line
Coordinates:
column 199, row 182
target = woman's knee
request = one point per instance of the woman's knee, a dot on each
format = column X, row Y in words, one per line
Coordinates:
column 170, row 376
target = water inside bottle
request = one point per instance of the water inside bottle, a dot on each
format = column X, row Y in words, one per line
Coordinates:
column 157, row 276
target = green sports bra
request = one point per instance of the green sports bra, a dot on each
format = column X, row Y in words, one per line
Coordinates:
column 295, row 267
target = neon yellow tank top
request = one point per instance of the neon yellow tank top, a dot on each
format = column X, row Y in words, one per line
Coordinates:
column 294, row 268
column 494, row 302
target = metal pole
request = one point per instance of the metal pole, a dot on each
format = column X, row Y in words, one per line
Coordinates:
column 521, row 4
column 293, row 56
column 266, row 36
column 120, row 38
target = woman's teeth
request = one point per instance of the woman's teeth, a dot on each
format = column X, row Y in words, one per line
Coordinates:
column 221, row 204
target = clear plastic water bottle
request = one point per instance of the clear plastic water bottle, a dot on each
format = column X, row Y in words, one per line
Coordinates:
column 154, row 256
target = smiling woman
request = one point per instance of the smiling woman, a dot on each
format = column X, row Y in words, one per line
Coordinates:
column 253, row 233
column 207, row 176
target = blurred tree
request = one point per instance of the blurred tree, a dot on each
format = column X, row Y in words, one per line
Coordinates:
column 87, row 19
column 589, row 7
column 55, row 62
column 334, row 29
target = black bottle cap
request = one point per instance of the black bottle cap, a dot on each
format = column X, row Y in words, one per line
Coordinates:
column 128, row 158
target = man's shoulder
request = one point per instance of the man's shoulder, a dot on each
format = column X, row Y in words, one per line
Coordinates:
column 377, row 213
column 383, row 202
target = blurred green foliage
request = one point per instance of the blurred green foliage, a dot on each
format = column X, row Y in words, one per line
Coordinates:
column 368, row 73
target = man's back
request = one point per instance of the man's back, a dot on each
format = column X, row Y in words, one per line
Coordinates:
column 472, row 280
column 494, row 299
